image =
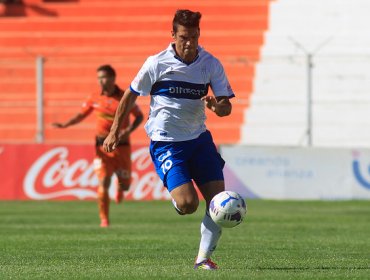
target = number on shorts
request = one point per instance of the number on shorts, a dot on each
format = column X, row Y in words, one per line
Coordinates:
column 167, row 163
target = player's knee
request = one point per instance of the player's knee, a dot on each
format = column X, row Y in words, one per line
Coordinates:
column 102, row 190
column 123, row 186
column 188, row 206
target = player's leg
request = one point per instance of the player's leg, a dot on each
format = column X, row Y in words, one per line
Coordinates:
column 122, row 157
column 185, row 198
column 104, row 172
column 122, row 186
column 210, row 189
column 171, row 163
column 103, row 200
column 210, row 232
column 206, row 169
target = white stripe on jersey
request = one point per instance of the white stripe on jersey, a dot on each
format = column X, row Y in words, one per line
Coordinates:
column 176, row 88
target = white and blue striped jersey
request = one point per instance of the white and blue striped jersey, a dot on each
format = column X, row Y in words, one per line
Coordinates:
column 177, row 112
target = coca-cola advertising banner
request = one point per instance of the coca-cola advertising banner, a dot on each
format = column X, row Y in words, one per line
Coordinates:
column 65, row 172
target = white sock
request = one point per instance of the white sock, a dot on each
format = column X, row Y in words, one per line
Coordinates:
column 210, row 234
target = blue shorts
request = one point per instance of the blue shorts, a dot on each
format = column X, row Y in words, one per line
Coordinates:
column 177, row 163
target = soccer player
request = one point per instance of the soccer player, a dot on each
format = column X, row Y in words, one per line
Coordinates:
column 105, row 103
column 182, row 149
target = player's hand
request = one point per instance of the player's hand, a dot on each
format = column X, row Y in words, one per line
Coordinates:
column 210, row 102
column 111, row 142
column 58, row 125
column 221, row 107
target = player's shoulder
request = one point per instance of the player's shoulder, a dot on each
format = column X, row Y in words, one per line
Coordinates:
column 153, row 62
column 92, row 96
column 207, row 57
column 89, row 99
column 160, row 56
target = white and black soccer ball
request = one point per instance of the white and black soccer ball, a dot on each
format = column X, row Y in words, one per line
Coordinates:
column 227, row 209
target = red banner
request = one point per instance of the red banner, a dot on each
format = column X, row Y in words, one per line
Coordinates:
column 65, row 172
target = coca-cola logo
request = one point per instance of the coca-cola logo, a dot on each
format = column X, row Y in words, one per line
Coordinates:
column 54, row 175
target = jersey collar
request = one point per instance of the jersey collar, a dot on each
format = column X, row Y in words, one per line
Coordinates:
column 172, row 50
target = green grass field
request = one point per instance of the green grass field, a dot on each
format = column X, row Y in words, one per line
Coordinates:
column 148, row 240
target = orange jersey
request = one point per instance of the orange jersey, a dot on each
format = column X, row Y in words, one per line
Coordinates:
column 105, row 108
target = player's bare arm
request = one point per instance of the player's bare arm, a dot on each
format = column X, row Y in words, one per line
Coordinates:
column 122, row 112
column 220, row 105
column 74, row 120
column 124, row 134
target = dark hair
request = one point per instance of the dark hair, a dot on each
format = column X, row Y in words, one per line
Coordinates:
column 108, row 69
column 186, row 18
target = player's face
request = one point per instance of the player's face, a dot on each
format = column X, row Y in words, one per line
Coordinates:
column 186, row 42
column 105, row 81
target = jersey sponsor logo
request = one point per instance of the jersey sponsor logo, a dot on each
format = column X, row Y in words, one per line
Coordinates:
column 179, row 89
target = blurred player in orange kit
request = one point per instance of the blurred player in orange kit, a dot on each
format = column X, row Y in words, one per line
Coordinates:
column 118, row 162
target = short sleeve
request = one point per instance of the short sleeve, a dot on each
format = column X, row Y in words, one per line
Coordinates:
column 142, row 84
column 87, row 106
column 219, row 82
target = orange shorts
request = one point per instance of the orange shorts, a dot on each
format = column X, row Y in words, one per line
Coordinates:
column 117, row 162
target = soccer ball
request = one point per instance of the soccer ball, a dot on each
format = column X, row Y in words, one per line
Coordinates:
column 227, row 209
